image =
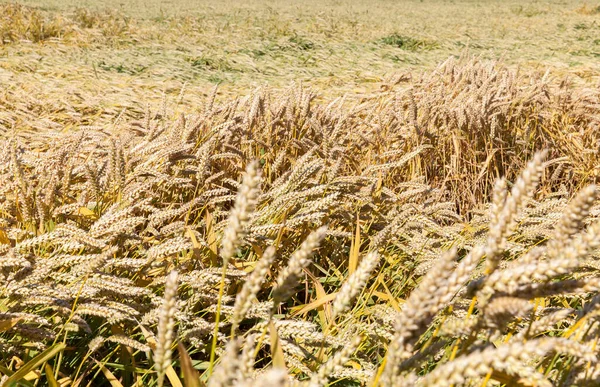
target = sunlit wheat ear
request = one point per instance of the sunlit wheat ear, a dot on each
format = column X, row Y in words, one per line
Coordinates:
column 203, row 154
column 227, row 371
column 247, row 358
column 273, row 377
column 335, row 363
column 254, row 109
column 510, row 358
column 528, row 279
column 239, row 217
column 166, row 326
column 544, row 324
column 129, row 342
column 498, row 200
column 243, row 300
column 572, row 219
column 289, row 277
column 503, row 310
column 503, row 219
column 96, row 343
column 354, row 284
column 417, row 312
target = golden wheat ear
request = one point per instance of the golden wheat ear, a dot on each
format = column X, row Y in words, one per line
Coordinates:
column 241, row 213
column 165, row 331
column 290, row 275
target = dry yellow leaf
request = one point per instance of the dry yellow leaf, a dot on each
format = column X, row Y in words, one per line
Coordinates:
column 84, row 211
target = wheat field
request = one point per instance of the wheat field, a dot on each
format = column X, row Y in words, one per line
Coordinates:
column 277, row 194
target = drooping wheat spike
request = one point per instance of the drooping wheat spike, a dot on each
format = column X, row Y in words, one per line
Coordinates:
column 273, row 377
column 417, row 312
column 498, row 200
column 227, row 371
column 237, row 228
column 572, row 219
column 239, row 217
column 543, row 324
column 508, row 281
column 300, row 259
column 504, row 219
column 129, row 342
column 96, row 343
column 502, row 310
column 247, row 359
column 510, row 358
column 354, row 284
column 245, row 297
column 211, row 101
column 254, row 109
column 335, row 363
column 166, row 325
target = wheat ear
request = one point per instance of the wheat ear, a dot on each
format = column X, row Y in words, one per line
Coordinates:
column 239, row 218
column 243, row 300
column 166, row 325
column 354, row 284
column 300, row 259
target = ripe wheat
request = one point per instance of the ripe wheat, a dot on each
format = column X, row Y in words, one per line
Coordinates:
column 277, row 240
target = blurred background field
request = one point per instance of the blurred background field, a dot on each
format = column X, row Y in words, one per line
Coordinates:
column 83, row 61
